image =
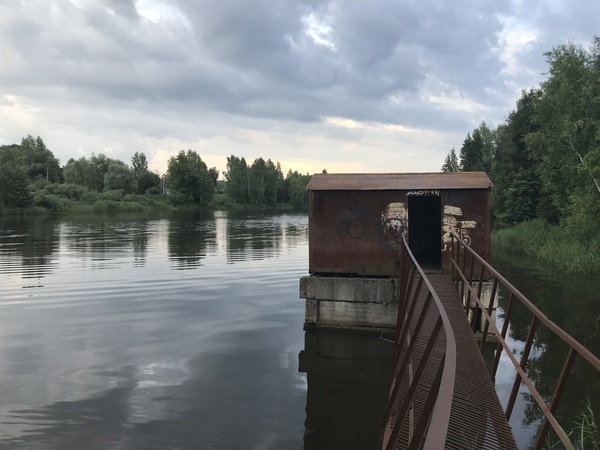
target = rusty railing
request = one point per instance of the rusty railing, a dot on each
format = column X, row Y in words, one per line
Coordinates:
column 418, row 412
column 467, row 265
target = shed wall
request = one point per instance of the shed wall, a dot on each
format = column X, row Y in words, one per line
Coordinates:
column 359, row 232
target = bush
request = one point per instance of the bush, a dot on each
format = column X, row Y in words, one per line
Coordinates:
column 551, row 244
column 52, row 203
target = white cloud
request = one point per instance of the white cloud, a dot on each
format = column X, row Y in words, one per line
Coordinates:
column 349, row 86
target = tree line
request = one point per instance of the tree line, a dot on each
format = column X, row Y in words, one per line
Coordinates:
column 544, row 160
column 31, row 176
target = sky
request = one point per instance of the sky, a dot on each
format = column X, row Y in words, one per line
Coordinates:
column 343, row 85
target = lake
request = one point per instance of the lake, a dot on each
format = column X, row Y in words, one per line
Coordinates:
column 182, row 331
column 186, row 331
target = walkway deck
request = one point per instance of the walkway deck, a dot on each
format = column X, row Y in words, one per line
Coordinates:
column 477, row 420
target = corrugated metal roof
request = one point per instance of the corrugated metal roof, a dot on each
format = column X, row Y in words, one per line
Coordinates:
column 398, row 181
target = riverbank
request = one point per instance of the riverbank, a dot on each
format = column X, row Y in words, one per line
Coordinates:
column 117, row 202
column 550, row 244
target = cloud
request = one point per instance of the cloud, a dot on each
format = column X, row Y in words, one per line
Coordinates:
column 248, row 77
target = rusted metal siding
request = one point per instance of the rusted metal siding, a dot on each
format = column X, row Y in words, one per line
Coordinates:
column 399, row 181
column 467, row 212
column 358, row 231
column 346, row 235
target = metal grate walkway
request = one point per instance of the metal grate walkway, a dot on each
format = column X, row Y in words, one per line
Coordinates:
column 476, row 419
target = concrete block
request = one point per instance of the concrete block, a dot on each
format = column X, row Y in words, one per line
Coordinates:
column 311, row 309
column 357, row 314
column 348, row 289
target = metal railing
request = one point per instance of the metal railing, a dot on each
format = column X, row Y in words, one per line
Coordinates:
column 467, row 265
column 418, row 412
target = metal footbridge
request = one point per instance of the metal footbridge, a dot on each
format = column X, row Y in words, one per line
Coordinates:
column 442, row 393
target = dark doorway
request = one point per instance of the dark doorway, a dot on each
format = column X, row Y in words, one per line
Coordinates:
column 425, row 229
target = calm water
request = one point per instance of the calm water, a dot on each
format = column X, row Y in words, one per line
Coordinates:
column 573, row 303
column 176, row 332
column 187, row 332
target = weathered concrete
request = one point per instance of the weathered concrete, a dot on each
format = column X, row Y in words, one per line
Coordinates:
column 350, row 302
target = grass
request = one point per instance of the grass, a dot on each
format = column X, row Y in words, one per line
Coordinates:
column 558, row 246
column 585, row 434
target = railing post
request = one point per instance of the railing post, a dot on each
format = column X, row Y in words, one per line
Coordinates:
column 524, row 358
column 558, row 391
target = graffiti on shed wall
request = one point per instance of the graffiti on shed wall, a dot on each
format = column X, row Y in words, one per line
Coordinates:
column 451, row 220
column 364, row 223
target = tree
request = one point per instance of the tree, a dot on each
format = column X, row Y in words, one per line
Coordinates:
column 189, row 178
column 477, row 151
column 566, row 141
column 256, row 182
column 39, row 161
column 13, row 187
column 119, row 176
column 147, row 181
column 139, row 164
column 298, row 194
column 517, row 194
column 78, row 172
column 451, row 162
column 236, row 179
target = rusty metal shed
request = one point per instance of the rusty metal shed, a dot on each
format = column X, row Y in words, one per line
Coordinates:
column 356, row 220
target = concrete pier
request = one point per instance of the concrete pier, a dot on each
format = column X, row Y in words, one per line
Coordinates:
column 365, row 303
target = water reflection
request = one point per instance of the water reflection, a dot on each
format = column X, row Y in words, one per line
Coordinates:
column 347, row 377
column 27, row 246
column 572, row 303
column 119, row 349
column 190, row 239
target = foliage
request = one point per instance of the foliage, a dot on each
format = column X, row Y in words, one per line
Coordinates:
column 13, row 187
column 148, row 183
column 262, row 184
column 190, row 180
column 544, row 160
column 551, row 244
column 119, row 176
column 236, row 179
column 89, row 172
column 32, row 181
column 476, row 153
column 451, row 162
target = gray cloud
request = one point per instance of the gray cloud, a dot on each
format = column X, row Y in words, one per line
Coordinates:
column 424, row 65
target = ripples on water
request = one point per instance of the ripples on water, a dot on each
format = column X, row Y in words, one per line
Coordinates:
column 170, row 333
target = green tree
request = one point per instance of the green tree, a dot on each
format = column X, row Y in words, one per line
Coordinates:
column 39, row 161
column 451, row 162
column 567, row 141
column 257, row 182
column 13, row 187
column 298, row 194
column 189, row 179
column 236, row 179
column 78, row 171
column 119, row 176
column 147, row 181
column 477, row 151
column 517, row 194
column 139, row 164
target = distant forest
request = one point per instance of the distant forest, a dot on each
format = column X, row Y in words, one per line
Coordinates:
column 544, row 160
column 32, row 179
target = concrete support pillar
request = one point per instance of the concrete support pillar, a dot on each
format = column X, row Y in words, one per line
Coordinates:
column 350, row 301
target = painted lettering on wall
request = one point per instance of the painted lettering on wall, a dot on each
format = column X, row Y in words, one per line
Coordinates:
column 451, row 221
column 431, row 192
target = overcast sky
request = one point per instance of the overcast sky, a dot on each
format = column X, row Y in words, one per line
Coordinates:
column 350, row 86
